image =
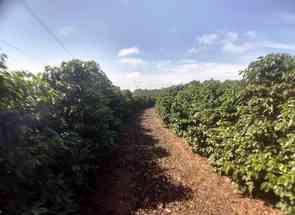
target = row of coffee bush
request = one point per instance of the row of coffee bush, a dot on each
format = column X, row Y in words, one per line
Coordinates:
column 56, row 129
column 245, row 127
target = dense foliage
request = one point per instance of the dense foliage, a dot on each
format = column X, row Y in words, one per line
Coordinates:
column 56, row 128
column 246, row 128
column 146, row 97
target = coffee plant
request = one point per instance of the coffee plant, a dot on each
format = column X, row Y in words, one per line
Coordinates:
column 56, row 129
column 246, row 128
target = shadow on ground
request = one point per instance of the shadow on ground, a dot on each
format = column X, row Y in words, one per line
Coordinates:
column 134, row 179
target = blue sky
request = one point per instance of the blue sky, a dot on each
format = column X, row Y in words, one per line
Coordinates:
column 149, row 43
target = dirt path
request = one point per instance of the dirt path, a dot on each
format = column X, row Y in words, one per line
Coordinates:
column 154, row 172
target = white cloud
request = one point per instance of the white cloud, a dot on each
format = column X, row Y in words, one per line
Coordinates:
column 66, row 31
column 207, row 39
column 257, row 46
column 276, row 45
column 232, row 43
column 128, row 51
column 235, row 43
column 236, row 48
column 34, row 64
column 195, row 50
column 20, row 63
column 204, row 71
column 132, row 61
column 251, row 34
column 203, row 42
column 231, row 36
column 174, row 73
column 133, row 75
column 161, row 63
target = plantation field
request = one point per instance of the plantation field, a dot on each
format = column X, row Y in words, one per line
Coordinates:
column 73, row 143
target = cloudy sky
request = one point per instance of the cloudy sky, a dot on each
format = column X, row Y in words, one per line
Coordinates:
column 148, row 43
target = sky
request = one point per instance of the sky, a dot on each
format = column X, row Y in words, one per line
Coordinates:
column 147, row 43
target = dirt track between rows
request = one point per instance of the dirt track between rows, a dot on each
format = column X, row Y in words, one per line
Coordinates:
column 155, row 172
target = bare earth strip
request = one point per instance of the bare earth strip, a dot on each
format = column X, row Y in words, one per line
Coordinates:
column 155, row 172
